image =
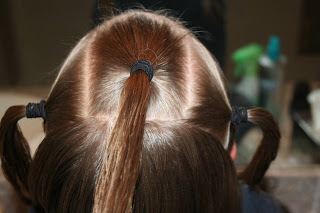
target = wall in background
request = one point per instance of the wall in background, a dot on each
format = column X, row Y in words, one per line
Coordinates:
column 43, row 32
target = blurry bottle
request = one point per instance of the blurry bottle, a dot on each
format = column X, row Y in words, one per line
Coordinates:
column 247, row 71
column 271, row 73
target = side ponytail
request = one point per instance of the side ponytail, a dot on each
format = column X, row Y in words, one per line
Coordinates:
column 121, row 164
column 267, row 150
column 15, row 152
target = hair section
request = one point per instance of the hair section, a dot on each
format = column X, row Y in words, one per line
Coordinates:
column 15, row 152
column 121, row 167
column 266, row 151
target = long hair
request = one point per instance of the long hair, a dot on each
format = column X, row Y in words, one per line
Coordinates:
column 119, row 143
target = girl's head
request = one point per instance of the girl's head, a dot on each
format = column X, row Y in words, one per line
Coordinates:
column 116, row 143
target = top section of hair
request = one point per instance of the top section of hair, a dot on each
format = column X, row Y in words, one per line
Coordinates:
column 98, row 66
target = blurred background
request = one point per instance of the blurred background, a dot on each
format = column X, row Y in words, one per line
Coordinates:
column 268, row 50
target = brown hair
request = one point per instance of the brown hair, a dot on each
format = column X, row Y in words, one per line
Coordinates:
column 116, row 143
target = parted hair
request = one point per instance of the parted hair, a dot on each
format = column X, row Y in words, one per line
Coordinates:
column 119, row 143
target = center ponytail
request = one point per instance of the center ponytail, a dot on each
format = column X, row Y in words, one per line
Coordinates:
column 121, row 164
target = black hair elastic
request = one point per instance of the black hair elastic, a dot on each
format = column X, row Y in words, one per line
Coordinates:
column 239, row 115
column 144, row 66
column 36, row 110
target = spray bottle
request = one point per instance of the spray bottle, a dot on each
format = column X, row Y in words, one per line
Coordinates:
column 271, row 72
column 247, row 70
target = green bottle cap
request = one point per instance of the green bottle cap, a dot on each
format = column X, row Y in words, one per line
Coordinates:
column 247, row 60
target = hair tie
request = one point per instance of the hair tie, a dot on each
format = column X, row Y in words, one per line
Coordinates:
column 239, row 115
column 36, row 110
column 144, row 66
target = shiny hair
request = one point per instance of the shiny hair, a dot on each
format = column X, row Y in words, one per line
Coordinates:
column 119, row 143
